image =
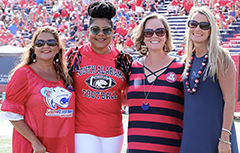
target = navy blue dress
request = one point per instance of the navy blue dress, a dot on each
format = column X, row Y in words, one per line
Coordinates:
column 203, row 115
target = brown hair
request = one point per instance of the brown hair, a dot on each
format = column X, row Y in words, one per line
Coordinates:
column 138, row 32
column 60, row 67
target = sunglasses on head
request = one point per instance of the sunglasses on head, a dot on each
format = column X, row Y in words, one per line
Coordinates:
column 160, row 32
column 203, row 25
column 97, row 30
column 50, row 42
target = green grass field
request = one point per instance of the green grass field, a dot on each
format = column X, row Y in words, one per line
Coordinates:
column 5, row 144
column 5, row 141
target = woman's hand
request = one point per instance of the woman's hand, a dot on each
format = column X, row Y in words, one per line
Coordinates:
column 38, row 147
column 224, row 147
column 22, row 127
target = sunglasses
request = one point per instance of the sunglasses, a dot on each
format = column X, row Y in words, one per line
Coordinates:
column 203, row 25
column 50, row 42
column 160, row 32
column 97, row 30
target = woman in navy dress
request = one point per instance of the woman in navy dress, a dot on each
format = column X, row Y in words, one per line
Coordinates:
column 209, row 85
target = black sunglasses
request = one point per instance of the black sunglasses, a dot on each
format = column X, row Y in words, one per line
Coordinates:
column 160, row 32
column 96, row 30
column 203, row 25
column 50, row 42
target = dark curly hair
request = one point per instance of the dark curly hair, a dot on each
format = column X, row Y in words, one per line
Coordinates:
column 101, row 10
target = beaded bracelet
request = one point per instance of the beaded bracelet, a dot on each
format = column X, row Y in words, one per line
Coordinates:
column 227, row 131
column 227, row 142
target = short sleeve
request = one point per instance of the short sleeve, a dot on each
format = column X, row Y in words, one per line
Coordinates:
column 11, row 116
column 16, row 93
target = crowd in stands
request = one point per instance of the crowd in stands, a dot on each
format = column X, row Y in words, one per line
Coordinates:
column 19, row 19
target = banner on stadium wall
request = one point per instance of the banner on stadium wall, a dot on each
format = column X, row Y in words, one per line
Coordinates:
column 9, row 57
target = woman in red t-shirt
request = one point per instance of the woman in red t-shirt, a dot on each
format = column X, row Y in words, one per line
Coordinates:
column 40, row 102
column 98, row 85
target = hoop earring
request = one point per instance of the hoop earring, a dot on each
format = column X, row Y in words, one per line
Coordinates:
column 56, row 58
column 33, row 56
column 144, row 49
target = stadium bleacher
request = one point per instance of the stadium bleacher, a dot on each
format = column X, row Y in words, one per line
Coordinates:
column 230, row 37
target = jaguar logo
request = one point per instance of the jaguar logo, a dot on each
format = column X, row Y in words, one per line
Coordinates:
column 100, row 82
column 57, row 96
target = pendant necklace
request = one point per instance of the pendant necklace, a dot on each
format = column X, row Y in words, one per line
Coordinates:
column 145, row 105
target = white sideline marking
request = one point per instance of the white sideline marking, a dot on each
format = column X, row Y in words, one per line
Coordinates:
column 5, row 138
column 5, row 146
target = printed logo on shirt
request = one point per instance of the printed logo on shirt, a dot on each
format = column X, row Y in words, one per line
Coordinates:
column 57, row 97
column 99, row 95
column 92, row 69
column 100, row 82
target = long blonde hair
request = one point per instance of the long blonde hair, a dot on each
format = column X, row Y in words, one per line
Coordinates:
column 218, row 58
column 60, row 67
column 138, row 32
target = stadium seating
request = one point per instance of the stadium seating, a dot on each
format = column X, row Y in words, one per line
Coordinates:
column 230, row 38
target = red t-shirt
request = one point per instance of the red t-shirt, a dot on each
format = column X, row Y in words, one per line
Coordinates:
column 133, row 7
column 206, row 2
column 188, row 6
column 222, row 2
column 98, row 87
column 222, row 17
column 8, row 37
column 119, row 30
column 3, row 37
column 32, row 2
column 70, row 8
column 175, row 2
column 48, row 109
column 62, row 28
column 5, row 2
column 64, row 13
column 139, row 2
column 128, row 42
column 38, row 11
column 132, row 24
column 22, row 2
column 56, row 15
column 124, row 6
